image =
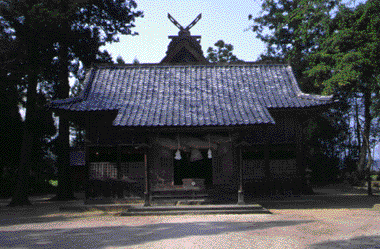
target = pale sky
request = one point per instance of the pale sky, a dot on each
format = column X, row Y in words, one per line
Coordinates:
column 221, row 19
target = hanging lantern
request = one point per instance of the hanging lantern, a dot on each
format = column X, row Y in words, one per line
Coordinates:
column 209, row 154
column 196, row 155
column 209, row 150
column 178, row 155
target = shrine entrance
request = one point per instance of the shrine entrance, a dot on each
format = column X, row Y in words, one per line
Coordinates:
column 186, row 168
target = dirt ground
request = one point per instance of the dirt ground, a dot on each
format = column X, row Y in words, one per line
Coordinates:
column 337, row 217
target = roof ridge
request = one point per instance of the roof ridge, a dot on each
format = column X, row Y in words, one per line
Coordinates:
column 237, row 64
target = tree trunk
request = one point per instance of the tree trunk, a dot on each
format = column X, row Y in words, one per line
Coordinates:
column 369, row 179
column 65, row 189
column 362, row 167
column 367, row 128
column 369, row 163
column 360, row 147
column 21, row 192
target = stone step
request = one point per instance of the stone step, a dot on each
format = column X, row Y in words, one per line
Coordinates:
column 133, row 210
column 179, row 196
column 198, row 209
column 193, row 212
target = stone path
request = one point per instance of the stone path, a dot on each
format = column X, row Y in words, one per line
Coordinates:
column 336, row 228
column 351, row 224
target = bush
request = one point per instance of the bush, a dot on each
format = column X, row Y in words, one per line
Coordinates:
column 6, row 188
column 41, row 186
column 53, row 183
column 356, row 179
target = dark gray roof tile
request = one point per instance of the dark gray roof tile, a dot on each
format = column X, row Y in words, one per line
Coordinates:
column 190, row 95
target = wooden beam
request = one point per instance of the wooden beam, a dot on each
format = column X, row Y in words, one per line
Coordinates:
column 193, row 36
column 192, row 129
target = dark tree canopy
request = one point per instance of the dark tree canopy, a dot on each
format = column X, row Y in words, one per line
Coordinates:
column 222, row 53
column 348, row 61
column 292, row 31
column 50, row 40
column 120, row 60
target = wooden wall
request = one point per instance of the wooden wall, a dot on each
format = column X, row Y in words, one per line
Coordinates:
column 225, row 171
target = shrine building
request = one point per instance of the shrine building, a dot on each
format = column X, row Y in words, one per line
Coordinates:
column 184, row 124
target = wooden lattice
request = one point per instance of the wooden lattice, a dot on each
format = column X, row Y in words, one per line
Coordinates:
column 283, row 169
column 133, row 170
column 254, row 169
column 103, row 170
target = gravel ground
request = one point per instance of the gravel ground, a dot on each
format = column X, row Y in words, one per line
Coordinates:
column 297, row 226
column 333, row 228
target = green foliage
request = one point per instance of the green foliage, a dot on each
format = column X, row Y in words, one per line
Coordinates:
column 39, row 33
column 295, row 32
column 349, row 57
column 222, row 53
column 120, row 60
column 135, row 61
column 292, row 31
column 348, row 61
column 53, row 183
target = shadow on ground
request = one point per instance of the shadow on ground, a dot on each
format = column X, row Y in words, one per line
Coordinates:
column 318, row 202
column 101, row 237
column 36, row 213
column 362, row 242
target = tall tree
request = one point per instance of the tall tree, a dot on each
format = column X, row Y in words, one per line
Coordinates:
column 296, row 28
column 120, row 60
column 10, row 118
column 54, row 35
column 22, row 21
column 13, row 78
column 349, row 61
column 222, row 53
column 135, row 61
column 293, row 32
column 82, row 28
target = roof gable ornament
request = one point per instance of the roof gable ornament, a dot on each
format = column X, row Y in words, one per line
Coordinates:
column 184, row 31
column 184, row 48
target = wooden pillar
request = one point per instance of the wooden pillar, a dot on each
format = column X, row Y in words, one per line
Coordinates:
column 268, row 174
column 87, row 159
column 118, row 163
column 147, row 193
column 241, row 180
column 120, row 185
column 301, row 170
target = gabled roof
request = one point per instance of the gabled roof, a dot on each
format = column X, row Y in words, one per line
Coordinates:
column 190, row 95
column 184, row 49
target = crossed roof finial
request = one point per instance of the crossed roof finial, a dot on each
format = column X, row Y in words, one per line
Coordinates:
column 186, row 30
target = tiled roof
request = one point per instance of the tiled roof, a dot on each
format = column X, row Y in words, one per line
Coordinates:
column 190, row 95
